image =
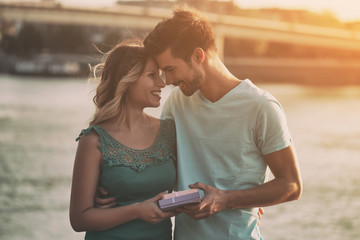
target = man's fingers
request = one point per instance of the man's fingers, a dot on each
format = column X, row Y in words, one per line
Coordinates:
column 202, row 206
column 105, row 201
column 198, row 216
column 191, row 207
column 110, row 205
column 184, row 210
column 102, row 191
column 170, row 214
column 261, row 211
column 201, row 216
column 198, row 185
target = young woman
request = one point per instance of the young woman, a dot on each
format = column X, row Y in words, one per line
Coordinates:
column 129, row 153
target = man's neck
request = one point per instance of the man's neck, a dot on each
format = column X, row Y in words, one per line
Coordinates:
column 218, row 80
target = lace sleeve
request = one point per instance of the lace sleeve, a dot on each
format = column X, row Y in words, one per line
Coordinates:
column 84, row 132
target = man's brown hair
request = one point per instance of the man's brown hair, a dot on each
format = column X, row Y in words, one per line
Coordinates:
column 184, row 32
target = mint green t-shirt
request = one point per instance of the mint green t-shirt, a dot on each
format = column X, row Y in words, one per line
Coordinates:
column 132, row 175
column 222, row 144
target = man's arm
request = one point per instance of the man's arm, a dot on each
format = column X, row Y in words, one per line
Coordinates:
column 286, row 186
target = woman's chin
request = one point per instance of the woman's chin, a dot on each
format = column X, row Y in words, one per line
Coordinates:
column 154, row 105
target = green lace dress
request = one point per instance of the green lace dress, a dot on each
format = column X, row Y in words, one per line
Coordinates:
column 132, row 175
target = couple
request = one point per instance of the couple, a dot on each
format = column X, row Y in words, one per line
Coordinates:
column 227, row 132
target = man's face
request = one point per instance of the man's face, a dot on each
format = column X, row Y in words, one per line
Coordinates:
column 180, row 73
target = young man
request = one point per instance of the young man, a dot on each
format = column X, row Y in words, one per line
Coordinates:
column 228, row 132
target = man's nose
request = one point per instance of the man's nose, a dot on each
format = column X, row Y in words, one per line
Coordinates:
column 169, row 80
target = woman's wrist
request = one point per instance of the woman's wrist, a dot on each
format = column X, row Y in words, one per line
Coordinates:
column 137, row 210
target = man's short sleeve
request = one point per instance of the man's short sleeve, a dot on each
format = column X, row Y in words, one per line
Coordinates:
column 272, row 133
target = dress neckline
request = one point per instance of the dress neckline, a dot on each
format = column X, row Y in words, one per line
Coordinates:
column 130, row 148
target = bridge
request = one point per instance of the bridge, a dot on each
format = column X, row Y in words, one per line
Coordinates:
column 146, row 17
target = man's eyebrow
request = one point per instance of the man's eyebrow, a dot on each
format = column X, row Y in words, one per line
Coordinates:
column 166, row 68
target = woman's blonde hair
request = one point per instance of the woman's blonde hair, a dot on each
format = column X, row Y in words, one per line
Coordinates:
column 118, row 70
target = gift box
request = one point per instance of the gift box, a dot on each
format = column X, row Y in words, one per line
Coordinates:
column 174, row 200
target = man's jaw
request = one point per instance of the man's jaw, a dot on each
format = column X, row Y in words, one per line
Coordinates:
column 179, row 83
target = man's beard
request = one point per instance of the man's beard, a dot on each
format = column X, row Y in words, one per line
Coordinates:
column 194, row 84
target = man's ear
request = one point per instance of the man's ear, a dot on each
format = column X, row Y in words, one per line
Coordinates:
column 199, row 55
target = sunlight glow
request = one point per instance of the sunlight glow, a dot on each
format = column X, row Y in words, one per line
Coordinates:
column 345, row 10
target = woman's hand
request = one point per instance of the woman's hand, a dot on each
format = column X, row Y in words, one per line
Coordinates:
column 150, row 212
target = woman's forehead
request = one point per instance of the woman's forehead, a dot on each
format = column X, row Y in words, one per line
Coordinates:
column 151, row 65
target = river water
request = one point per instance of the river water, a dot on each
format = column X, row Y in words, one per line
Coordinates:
column 40, row 119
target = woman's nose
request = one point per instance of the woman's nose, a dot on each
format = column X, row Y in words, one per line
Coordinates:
column 160, row 82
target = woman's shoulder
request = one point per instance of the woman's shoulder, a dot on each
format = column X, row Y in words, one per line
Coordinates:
column 90, row 134
column 88, row 145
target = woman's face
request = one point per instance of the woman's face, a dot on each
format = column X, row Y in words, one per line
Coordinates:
column 146, row 91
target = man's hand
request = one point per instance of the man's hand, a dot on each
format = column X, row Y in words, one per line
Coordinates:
column 260, row 212
column 101, row 202
column 211, row 203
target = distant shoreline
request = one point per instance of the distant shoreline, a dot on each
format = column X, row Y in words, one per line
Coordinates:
column 307, row 71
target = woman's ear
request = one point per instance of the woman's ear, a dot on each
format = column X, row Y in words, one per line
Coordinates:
column 199, row 55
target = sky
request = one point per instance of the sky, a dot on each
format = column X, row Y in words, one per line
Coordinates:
column 345, row 10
